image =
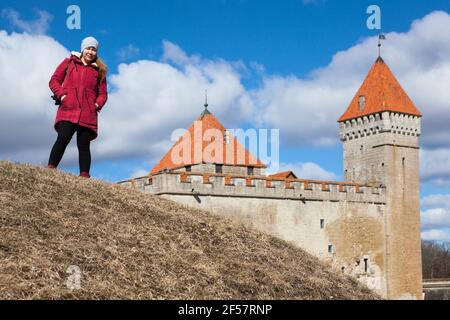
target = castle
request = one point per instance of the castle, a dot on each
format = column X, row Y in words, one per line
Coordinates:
column 367, row 226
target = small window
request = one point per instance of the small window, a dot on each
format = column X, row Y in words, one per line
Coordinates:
column 218, row 168
column 249, row 171
column 188, row 168
column 330, row 248
column 322, row 223
column 361, row 102
column 366, row 265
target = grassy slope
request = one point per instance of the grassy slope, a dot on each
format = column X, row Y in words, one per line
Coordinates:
column 132, row 245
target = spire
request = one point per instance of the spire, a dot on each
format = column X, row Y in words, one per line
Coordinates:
column 379, row 92
column 206, row 111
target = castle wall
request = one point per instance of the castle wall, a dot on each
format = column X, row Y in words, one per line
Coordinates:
column 354, row 230
column 343, row 224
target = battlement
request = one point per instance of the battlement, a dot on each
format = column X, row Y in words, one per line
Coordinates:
column 208, row 184
column 398, row 123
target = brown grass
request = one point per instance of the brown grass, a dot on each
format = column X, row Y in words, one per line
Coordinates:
column 130, row 245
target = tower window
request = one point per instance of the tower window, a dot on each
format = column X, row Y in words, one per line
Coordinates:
column 249, row 171
column 218, row 168
column 322, row 223
column 366, row 264
column 361, row 102
column 330, row 248
column 188, row 168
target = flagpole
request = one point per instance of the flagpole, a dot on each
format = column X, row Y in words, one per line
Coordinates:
column 381, row 36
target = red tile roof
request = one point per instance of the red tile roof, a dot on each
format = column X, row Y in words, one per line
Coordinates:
column 283, row 175
column 201, row 152
column 381, row 92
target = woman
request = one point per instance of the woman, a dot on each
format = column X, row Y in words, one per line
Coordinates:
column 79, row 82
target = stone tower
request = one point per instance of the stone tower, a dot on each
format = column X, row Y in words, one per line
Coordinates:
column 380, row 133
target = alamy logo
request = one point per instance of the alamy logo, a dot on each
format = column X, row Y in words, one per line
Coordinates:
column 215, row 146
column 374, row 20
column 74, row 20
column 74, row 280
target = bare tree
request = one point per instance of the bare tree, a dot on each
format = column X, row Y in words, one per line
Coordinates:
column 435, row 259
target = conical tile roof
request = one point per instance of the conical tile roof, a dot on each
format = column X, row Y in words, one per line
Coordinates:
column 379, row 92
column 206, row 126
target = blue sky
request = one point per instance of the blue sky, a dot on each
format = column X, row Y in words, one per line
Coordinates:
column 285, row 36
column 259, row 45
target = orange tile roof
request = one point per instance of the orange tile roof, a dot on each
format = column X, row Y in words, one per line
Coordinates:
column 232, row 153
column 283, row 175
column 381, row 92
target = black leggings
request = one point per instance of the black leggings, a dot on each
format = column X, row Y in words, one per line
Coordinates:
column 65, row 132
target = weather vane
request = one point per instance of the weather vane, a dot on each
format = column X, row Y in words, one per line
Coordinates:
column 381, row 36
column 206, row 111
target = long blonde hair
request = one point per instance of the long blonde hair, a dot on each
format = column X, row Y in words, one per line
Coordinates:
column 102, row 69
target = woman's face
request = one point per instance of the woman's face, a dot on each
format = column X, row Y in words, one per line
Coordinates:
column 90, row 54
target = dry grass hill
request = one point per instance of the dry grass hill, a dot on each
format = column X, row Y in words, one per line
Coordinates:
column 130, row 245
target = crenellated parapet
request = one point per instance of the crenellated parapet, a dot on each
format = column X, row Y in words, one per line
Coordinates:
column 242, row 186
column 387, row 121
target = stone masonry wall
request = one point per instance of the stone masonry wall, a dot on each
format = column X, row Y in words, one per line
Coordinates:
column 384, row 150
column 341, row 223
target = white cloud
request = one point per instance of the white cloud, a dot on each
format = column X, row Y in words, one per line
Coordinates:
column 435, row 235
column 436, row 200
column 307, row 170
column 173, row 53
column 127, row 53
column 141, row 114
column 27, row 111
column 435, row 218
column 435, row 166
column 38, row 26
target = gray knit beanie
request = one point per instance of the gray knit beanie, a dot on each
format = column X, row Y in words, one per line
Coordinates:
column 89, row 42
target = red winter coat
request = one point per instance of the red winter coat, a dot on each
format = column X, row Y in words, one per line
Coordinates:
column 84, row 97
